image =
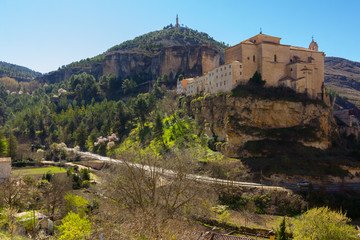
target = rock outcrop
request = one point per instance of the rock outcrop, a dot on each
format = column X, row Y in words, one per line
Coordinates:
column 190, row 60
column 65, row 73
column 236, row 122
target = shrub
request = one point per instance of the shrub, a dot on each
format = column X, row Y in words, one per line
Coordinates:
column 322, row 223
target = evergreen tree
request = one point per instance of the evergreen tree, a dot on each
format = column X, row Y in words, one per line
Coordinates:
column 159, row 128
column 81, row 136
column 256, row 79
column 12, row 146
column 281, row 232
column 43, row 132
column 141, row 109
column 31, row 128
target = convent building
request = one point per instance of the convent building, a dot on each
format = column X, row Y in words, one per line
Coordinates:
column 301, row 69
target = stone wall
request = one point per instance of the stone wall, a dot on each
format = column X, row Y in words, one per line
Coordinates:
column 5, row 168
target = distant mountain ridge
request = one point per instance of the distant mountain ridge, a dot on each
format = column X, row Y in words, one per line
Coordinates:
column 343, row 76
column 17, row 72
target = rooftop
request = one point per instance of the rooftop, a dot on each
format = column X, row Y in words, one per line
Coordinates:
column 5, row 159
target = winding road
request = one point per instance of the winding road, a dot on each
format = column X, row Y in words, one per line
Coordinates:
column 210, row 180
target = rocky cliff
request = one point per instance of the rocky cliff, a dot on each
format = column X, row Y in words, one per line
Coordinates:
column 175, row 50
column 239, row 124
column 191, row 60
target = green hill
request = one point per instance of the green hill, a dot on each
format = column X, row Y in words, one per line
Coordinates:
column 17, row 72
column 153, row 41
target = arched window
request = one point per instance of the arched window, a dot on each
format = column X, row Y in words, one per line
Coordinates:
column 254, row 58
column 275, row 58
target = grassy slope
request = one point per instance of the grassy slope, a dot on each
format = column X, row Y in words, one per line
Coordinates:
column 37, row 171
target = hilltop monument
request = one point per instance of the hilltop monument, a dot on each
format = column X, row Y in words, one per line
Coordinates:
column 177, row 21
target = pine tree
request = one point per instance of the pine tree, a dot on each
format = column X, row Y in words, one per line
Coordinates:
column 81, row 136
column 159, row 128
column 256, row 79
column 12, row 146
column 281, row 232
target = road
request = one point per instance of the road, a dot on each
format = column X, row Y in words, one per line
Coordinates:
column 169, row 173
column 210, row 180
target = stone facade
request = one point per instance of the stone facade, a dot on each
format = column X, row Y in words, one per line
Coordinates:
column 5, row 168
column 280, row 65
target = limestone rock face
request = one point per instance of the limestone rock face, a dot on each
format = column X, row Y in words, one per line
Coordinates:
column 238, row 121
column 190, row 60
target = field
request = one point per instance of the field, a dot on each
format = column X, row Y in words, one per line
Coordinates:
column 37, row 171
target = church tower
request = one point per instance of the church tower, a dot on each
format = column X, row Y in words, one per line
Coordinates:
column 177, row 21
column 313, row 45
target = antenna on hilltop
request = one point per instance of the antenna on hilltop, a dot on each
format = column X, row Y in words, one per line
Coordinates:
column 260, row 30
column 177, row 21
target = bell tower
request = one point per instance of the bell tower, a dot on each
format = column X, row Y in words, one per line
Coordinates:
column 313, row 45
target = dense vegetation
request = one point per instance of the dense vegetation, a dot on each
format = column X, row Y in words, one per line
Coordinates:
column 153, row 41
column 12, row 70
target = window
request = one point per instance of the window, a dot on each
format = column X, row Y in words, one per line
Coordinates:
column 225, row 74
column 240, row 66
column 229, row 73
column 254, row 58
column 240, row 73
column 290, row 69
column 248, row 58
column 229, row 66
column 224, row 83
column 220, row 84
column 220, row 69
column 217, row 77
column 216, row 85
column 275, row 60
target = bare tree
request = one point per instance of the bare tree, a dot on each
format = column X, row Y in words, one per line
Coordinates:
column 153, row 196
column 53, row 193
column 11, row 193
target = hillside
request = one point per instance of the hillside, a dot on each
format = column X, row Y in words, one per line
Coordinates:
column 150, row 56
column 17, row 72
column 173, row 51
column 343, row 76
column 154, row 41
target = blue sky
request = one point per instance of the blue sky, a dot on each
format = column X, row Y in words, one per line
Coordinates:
column 46, row 34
